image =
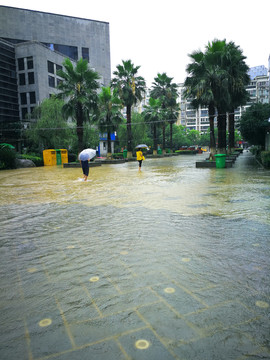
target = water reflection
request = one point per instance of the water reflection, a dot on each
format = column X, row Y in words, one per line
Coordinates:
column 174, row 257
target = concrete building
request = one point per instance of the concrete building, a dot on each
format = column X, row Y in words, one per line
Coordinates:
column 9, row 106
column 39, row 42
column 193, row 119
column 260, row 70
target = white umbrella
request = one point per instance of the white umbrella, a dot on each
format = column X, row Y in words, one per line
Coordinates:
column 87, row 154
column 142, row 146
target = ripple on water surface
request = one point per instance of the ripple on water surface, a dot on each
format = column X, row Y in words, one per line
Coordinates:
column 190, row 245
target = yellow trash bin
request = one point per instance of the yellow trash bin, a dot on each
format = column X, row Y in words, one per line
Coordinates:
column 64, row 156
column 49, row 157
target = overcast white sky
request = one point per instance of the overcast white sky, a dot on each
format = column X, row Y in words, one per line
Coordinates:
column 158, row 35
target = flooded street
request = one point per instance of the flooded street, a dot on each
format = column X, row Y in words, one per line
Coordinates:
column 169, row 263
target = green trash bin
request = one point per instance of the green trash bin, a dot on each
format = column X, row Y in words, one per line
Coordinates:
column 58, row 157
column 159, row 151
column 220, row 161
column 125, row 153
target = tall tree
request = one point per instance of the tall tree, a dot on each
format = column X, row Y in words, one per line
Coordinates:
column 154, row 114
column 217, row 79
column 130, row 88
column 230, row 91
column 166, row 91
column 50, row 130
column 79, row 90
column 254, row 124
column 219, row 87
column 234, row 62
column 199, row 91
column 109, row 115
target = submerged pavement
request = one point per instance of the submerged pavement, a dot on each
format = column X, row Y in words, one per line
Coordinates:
column 99, row 276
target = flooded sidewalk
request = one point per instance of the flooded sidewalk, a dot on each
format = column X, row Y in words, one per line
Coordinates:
column 169, row 263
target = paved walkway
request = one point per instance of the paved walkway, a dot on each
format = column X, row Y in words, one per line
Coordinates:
column 183, row 288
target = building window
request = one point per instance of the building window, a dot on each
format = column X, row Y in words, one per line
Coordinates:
column 204, row 112
column 31, row 78
column 21, row 79
column 58, row 67
column 30, row 63
column 58, row 81
column 51, row 81
column 70, row 51
column 21, row 64
column 24, row 113
column 104, row 145
column 50, row 67
column 32, row 95
column 23, row 98
column 85, row 53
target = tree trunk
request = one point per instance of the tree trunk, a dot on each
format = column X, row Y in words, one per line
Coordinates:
column 163, row 137
column 79, row 120
column 211, row 112
column 171, row 132
column 129, row 133
column 221, row 132
column 155, row 137
column 109, row 152
column 231, row 142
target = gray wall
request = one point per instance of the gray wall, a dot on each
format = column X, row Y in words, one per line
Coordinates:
column 58, row 29
column 41, row 54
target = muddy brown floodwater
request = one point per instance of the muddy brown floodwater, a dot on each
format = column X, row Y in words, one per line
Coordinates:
column 169, row 263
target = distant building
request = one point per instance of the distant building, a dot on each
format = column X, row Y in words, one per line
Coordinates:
column 193, row 119
column 257, row 71
column 33, row 46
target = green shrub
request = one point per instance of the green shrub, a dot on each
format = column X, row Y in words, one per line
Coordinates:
column 186, row 152
column 265, row 158
column 72, row 157
column 255, row 150
column 238, row 150
column 117, row 155
column 7, row 158
column 37, row 160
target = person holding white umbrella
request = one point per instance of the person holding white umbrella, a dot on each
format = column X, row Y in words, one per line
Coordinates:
column 84, row 157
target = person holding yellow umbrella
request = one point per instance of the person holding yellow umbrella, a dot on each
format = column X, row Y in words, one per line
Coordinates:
column 139, row 153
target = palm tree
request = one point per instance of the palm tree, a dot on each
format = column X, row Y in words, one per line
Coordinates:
column 230, row 91
column 79, row 89
column 220, row 87
column 198, row 89
column 172, row 116
column 234, row 62
column 210, row 84
column 109, row 115
column 154, row 114
column 130, row 88
column 164, row 89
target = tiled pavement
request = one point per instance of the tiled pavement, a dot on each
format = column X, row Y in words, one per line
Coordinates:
column 62, row 312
